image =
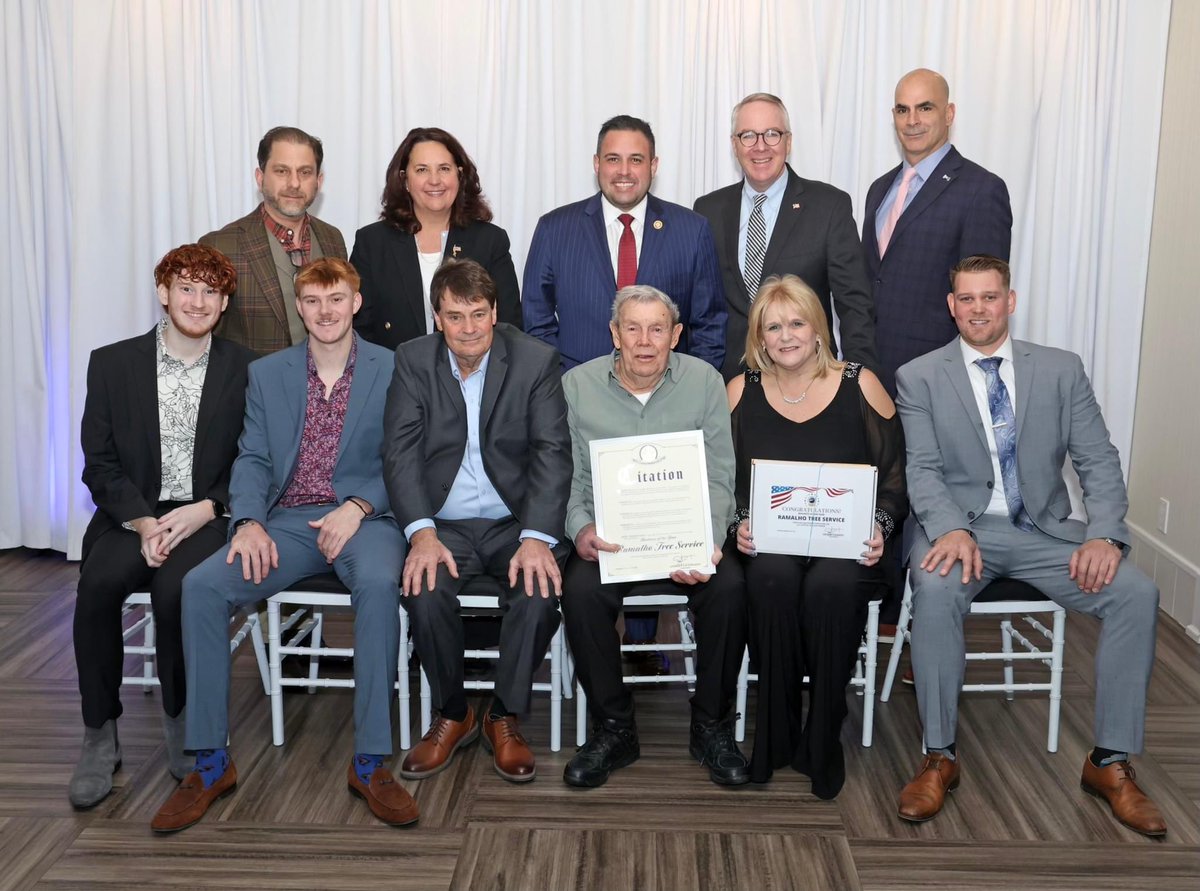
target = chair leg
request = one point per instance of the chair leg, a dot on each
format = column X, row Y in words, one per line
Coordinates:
column 315, row 641
column 260, row 651
column 148, row 659
column 902, row 634
column 556, row 697
column 743, row 683
column 403, row 682
column 426, row 703
column 869, row 673
column 1056, row 673
column 275, row 692
column 687, row 635
column 580, row 715
column 1006, row 636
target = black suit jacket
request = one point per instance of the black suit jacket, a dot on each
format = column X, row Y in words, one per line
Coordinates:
column 523, row 430
column 393, row 307
column 815, row 238
column 120, row 433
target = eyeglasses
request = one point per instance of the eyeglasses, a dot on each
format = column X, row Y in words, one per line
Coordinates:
column 749, row 138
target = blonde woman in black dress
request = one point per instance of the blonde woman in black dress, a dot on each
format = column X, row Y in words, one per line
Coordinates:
column 796, row 402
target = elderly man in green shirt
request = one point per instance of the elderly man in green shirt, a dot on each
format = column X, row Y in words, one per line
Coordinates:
column 644, row 387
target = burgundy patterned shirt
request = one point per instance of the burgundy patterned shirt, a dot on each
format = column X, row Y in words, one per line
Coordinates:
column 297, row 242
column 312, row 483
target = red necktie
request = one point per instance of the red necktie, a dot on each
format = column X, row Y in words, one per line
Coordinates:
column 626, row 254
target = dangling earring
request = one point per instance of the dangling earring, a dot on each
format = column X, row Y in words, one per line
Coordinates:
column 818, row 345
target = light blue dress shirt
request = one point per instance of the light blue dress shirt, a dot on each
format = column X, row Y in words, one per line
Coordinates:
column 472, row 496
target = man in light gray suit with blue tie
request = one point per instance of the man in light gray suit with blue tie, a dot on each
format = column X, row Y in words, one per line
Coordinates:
column 988, row 422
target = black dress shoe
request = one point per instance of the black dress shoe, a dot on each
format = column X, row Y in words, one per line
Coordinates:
column 712, row 744
column 611, row 747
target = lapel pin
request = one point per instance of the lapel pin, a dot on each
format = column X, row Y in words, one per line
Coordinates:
column 796, row 206
column 946, row 177
column 658, row 224
column 454, row 252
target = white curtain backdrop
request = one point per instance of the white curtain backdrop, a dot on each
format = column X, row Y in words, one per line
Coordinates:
column 130, row 127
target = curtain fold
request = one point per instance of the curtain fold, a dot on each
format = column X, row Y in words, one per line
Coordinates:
column 131, row 126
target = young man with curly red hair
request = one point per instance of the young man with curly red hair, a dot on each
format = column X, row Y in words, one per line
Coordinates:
column 159, row 432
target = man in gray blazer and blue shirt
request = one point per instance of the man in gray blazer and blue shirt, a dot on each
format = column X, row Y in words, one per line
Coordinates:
column 306, row 497
column 988, row 421
column 477, row 457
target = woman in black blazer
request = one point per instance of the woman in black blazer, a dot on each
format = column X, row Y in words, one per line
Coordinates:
column 433, row 209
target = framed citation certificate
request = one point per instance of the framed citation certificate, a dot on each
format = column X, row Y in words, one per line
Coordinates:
column 651, row 498
column 811, row 509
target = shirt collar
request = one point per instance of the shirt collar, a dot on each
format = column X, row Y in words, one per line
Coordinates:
column 295, row 238
column 672, row 369
column 970, row 354
column 929, row 163
column 773, row 192
column 611, row 211
column 312, row 363
column 481, row 370
column 170, row 361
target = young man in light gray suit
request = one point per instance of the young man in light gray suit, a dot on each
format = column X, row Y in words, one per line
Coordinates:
column 988, row 422
column 477, row 458
column 307, row 497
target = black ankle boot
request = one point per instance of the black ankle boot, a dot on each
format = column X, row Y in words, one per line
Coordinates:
column 613, row 745
column 712, row 744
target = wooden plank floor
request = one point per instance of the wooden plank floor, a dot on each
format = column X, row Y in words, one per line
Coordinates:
column 1019, row 820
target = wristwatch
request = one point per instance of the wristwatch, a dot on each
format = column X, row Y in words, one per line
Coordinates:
column 219, row 509
column 1119, row 545
column 242, row 522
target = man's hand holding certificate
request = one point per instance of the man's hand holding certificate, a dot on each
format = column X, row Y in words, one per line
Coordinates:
column 652, row 503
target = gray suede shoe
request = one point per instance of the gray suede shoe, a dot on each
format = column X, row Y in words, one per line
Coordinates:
column 99, row 760
column 179, row 764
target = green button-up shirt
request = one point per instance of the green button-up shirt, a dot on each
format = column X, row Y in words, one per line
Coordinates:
column 690, row 396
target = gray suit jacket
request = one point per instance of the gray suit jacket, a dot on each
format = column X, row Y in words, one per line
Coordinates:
column 950, row 479
column 276, row 400
column 523, row 430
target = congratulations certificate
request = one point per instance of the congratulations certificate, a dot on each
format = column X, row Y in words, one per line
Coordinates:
column 810, row 509
column 651, row 498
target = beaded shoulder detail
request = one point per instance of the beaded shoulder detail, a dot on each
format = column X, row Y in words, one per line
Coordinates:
column 850, row 372
column 753, row 377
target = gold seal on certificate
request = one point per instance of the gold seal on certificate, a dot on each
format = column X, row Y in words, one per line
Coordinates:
column 810, row 509
column 651, row 498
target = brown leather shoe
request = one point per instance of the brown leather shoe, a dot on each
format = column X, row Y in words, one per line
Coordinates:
column 191, row 800
column 436, row 747
column 925, row 793
column 387, row 799
column 1129, row 804
column 512, row 760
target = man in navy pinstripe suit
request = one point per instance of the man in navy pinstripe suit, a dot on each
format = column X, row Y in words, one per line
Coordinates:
column 950, row 208
column 577, row 262
column 571, row 274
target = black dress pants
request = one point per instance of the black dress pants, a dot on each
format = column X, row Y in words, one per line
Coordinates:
column 590, row 612
column 114, row 569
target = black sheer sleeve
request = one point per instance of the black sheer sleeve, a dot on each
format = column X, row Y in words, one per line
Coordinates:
column 741, row 452
column 885, row 442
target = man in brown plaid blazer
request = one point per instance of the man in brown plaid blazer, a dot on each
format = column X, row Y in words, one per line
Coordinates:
column 269, row 246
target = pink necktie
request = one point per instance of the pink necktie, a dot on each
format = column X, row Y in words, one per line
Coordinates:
column 889, row 225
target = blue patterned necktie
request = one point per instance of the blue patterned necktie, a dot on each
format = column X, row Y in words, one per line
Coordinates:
column 1004, row 428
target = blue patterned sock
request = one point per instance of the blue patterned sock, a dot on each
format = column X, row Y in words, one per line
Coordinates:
column 365, row 765
column 211, row 765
